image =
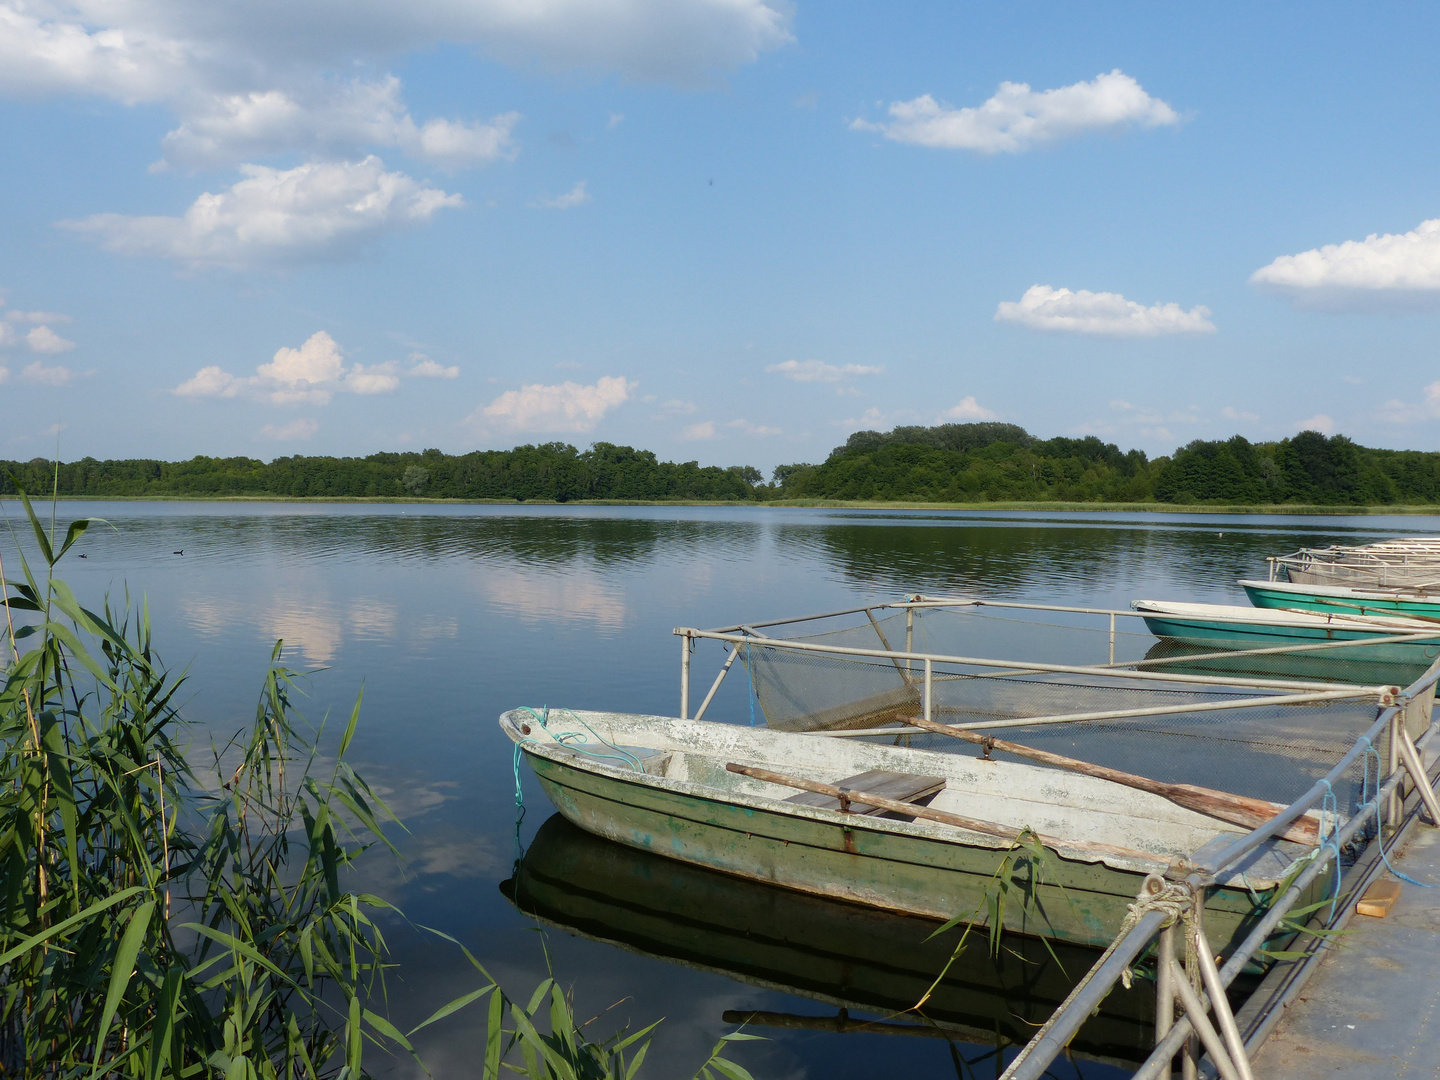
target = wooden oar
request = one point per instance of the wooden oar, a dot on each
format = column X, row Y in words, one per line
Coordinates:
column 1005, row 832
column 1236, row 809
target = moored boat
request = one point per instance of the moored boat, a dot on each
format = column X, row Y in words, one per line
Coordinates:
column 698, row 792
column 1344, row 600
column 1387, row 564
column 1232, row 626
column 844, row 955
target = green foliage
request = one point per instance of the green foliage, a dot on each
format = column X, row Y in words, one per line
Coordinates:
column 553, row 471
column 160, row 922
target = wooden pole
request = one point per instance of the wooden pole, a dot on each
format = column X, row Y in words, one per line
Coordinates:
column 1236, row 809
column 991, row 828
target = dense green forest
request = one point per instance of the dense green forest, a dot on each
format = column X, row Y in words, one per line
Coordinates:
column 954, row 463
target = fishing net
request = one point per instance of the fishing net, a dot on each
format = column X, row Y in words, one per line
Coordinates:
column 1271, row 750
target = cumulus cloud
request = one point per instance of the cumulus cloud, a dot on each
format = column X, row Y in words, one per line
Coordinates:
column 967, row 409
column 1017, row 117
column 301, row 428
column 253, row 77
column 311, row 374
column 1319, row 422
column 422, row 367
column 335, row 118
column 568, row 407
column 1108, row 314
column 317, row 211
column 819, row 371
column 39, row 338
column 696, row 432
column 576, row 196
column 1232, row 413
column 1396, row 269
column 44, row 340
column 42, row 374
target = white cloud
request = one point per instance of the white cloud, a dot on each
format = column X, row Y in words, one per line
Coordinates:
column 4, row 374
column 41, row 374
column 1232, row 413
column 1319, row 422
column 616, row 119
column 1017, row 117
column 1110, row 314
column 676, row 407
column 252, row 77
column 819, row 371
column 568, row 407
column 758, row 430
column 703, row 430
column 1401, row 268
column 576, row 196
column 967, row 409
column 210, row 381
column 422, row 367
column 311, row 374
column 44, row 340
column 334, row 118
column 300, row 428
column 321, row 210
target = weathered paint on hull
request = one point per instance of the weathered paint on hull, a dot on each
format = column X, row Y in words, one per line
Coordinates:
column 1258, row 635
column 909, row 874
column 1339, row 602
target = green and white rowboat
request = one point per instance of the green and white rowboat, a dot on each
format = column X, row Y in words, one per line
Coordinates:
column 1232, row 626
column 662, row 785
column 1341, row 600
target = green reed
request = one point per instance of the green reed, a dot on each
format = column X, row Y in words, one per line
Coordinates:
column 159, row 919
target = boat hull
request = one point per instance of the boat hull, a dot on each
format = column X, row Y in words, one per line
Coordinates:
column 1224, row 633
column 1336, row 600
column 1080, row 902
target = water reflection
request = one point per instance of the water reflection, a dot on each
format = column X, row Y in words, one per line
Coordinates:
column 449, row 615
column 848, row 957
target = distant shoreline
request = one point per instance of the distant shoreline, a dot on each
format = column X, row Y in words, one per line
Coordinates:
column 789, row 504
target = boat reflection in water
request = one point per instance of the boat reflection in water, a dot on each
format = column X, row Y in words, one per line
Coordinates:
column 1327, row 665
column 844, row 955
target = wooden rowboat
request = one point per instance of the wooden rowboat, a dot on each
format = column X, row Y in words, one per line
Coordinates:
column 735, row 799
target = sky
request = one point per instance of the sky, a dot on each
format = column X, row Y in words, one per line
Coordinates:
column 731, row 231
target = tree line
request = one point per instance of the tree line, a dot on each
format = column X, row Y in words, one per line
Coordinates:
column 949, row 463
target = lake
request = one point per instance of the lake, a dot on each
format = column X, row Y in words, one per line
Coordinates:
column 448, row 615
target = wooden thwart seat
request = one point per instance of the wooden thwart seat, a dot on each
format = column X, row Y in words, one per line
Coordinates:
column 899, row 787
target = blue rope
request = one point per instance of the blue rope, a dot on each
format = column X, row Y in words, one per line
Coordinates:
column 1331, row 838
column 1375, row 801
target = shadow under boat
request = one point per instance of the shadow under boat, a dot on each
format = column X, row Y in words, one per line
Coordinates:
column 844, row 955
column 1329, row 665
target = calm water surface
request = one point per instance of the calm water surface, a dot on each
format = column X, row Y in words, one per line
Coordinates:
column 448, row 615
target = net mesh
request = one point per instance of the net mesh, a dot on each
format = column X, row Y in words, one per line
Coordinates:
column 1267, row 750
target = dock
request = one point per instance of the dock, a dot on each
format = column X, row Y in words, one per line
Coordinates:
column 1371, row 1008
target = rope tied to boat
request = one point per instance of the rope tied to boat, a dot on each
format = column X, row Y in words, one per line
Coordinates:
column 1175, row 899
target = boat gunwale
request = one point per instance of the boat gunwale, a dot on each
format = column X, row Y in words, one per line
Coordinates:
column 917, row 829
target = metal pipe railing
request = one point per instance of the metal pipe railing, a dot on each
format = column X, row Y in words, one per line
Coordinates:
column 1381, row 693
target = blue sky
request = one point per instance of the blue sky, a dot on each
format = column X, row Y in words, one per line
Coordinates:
column 731, row 230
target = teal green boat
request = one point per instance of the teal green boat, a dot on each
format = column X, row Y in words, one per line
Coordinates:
column 705, row 793
column 1226, row 626
column 1339, row 600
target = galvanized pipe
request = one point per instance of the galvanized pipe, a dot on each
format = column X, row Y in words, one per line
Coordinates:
column 1234, row 1045
column 1164, row 986
column 1035, row 1056
column 685, row 676
column 1195, row 1013
column 1378, row 692
column 724, row 670
column 929, row 688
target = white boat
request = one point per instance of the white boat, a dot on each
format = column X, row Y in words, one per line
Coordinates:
column 704, row 793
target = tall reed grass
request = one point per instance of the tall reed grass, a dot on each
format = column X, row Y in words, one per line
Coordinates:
column 160, row 918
